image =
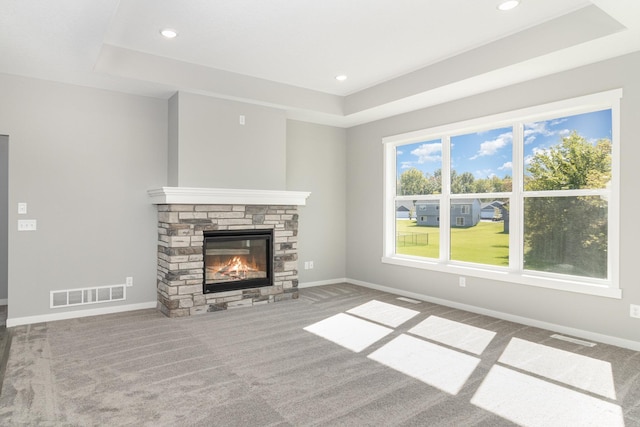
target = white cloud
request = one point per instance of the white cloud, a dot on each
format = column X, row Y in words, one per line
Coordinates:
column 428, row 152
column 506, row 166
column 406, row 165
column 538, row 128
column 532, row 130
column 399, row 153
column 489, row 148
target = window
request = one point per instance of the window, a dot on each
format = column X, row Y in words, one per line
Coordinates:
column 529, row 196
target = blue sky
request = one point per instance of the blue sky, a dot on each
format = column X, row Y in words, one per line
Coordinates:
column 489, row 153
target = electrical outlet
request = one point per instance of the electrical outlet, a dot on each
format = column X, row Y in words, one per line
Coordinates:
column 22, row 208
column 129, row 281
column 463, row 281
column 27, row 225
column 634, row 310
column 310, row 265
column 306, row 265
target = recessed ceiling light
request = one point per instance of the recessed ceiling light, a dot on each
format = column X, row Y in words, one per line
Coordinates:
column 169, row 33
column 341, row 78
column 508, row 4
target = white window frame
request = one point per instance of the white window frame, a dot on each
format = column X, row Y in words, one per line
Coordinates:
column 514, row 273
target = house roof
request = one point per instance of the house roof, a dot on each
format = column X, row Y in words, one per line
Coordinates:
column 453, row 202
column 398, row 56
column 494, row 204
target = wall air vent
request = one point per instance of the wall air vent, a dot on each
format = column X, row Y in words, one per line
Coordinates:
column 83, row 296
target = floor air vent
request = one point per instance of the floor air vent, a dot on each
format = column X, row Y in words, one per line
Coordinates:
column 573, row 340
column 72, row 297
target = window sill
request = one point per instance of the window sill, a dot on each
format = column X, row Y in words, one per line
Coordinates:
column 601, row 290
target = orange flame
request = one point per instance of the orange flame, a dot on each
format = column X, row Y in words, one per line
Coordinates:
column 237, row 265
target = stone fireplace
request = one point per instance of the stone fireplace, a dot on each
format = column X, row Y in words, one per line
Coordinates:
column 187, row 215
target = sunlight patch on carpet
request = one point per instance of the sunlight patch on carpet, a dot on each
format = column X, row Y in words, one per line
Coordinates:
column 381, row 312
column 583, row 372
column 455, row 334
column 348, row 331
column 437, row 366
column 530, row 401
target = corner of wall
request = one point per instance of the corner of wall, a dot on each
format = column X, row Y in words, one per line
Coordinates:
column 173, row 135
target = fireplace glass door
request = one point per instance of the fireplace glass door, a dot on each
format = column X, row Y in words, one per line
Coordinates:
column 237, row 259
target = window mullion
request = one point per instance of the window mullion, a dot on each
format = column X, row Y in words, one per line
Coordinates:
column 516, row 202
column 445, row 201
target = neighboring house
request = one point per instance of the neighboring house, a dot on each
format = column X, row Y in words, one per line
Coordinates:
column 428, row 213
column 464, row 212
column 402, row 212
column 405, row 209
column 498, row 212
column 488, row 210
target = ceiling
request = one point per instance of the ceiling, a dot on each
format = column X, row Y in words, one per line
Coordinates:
column 399, row 55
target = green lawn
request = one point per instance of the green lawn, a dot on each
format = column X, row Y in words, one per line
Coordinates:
column 485, row 243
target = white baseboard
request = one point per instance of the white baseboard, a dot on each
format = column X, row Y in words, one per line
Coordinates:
column 28, row 320
column 322, row 283
column 593, row 336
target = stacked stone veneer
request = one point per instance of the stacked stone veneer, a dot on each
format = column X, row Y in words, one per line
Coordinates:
column 181, row 260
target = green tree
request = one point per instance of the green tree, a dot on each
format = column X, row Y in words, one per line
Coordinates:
column 482, row 185
column 463, row 183
column 567, row 233
column 573, row 164
column 500, row 185
column 412, row 181
column 435, row 182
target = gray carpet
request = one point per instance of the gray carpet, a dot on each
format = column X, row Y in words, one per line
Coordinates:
column 5, row 342
column 258, row 367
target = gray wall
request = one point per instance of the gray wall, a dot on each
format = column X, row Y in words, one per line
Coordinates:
column 214, row 150
column 173, row 159
column 316, row 162
column 83, row 160
column 4, row 215
column 364, row 188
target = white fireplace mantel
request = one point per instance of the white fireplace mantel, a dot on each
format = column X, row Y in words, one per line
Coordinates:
column 225, row 196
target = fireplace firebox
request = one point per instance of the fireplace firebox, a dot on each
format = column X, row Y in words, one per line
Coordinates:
column 237, row 259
